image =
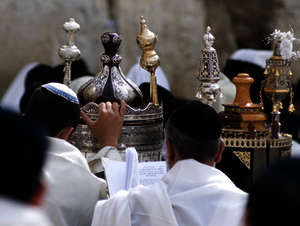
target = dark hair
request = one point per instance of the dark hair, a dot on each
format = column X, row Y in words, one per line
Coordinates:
column 194, row 130
column 37, row 76
column 78, row 69
column 52, row 111
column 274, row 198
column 168, row 101
column 22, row 158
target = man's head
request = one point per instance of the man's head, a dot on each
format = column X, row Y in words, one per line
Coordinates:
column 23, row 155
column 56, row 107
column 193, row 132
column 274, row 198
column 37, row 76
column 165, row 98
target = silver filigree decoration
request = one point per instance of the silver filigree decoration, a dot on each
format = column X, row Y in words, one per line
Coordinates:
column 286, row 40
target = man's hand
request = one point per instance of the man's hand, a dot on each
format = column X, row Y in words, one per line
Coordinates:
column 109, row 124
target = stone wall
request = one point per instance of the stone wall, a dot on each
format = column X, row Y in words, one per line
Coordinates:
column 180, row 28
column 32, row 31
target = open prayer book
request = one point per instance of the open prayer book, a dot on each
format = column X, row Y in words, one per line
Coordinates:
column 125, row 175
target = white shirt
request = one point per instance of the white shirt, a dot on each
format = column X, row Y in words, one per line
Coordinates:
column 14, row 213
column 72, row 189
column 190, row 193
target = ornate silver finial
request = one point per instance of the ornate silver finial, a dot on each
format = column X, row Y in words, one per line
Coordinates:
column 278, row 82
column 208, row 39
column 283, row 44
column 209, row 71
column 69, row 52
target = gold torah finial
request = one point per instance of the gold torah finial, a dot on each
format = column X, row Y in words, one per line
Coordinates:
column 149, row 59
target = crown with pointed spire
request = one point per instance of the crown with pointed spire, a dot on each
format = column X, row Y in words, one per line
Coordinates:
column 149, row 59
column 146, row 39
column 209, row 71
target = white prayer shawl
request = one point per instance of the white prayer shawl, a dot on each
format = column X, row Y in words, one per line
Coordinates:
column 138, row 75
column 78, row 82
column 253, row 56
column 17, row 214
column 190, row 193
column 95, row 159
column 13, row 94
column 295, row 150
column 72, row 189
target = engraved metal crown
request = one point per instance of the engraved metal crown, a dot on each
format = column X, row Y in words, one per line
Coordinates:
column 143, row 121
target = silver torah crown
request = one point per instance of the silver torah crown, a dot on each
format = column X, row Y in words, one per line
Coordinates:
column 209, row 72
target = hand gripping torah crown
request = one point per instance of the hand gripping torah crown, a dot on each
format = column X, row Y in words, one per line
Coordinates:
column 143, row 121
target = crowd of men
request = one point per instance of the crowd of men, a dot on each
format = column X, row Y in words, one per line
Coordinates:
column 47, row 181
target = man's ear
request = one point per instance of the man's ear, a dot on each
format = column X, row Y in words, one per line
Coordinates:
column 38, row 197
column 246, row 218
column 65, row 133
column 220, row 152
column 172, row 156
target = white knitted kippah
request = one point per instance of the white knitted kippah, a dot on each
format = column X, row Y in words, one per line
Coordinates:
column 62, row 90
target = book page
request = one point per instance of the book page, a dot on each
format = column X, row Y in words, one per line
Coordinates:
column 115, row 173
column 132, row 177
column 150, row 172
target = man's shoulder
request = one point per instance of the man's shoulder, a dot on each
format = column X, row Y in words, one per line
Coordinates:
column 63, row 148
column 66, row 153
column 57, row 143
column 132, row 195
column 179, row 179
column 15, row 213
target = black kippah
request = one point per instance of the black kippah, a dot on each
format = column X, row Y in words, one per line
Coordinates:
column 165, row 98
column 197, row 121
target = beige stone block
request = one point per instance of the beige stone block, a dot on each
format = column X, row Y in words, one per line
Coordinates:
column 31, row 30
column 180, row 27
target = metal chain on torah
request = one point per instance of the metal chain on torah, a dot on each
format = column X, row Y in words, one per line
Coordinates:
column 209, row 72
column 142, row 126
column 69, row 52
